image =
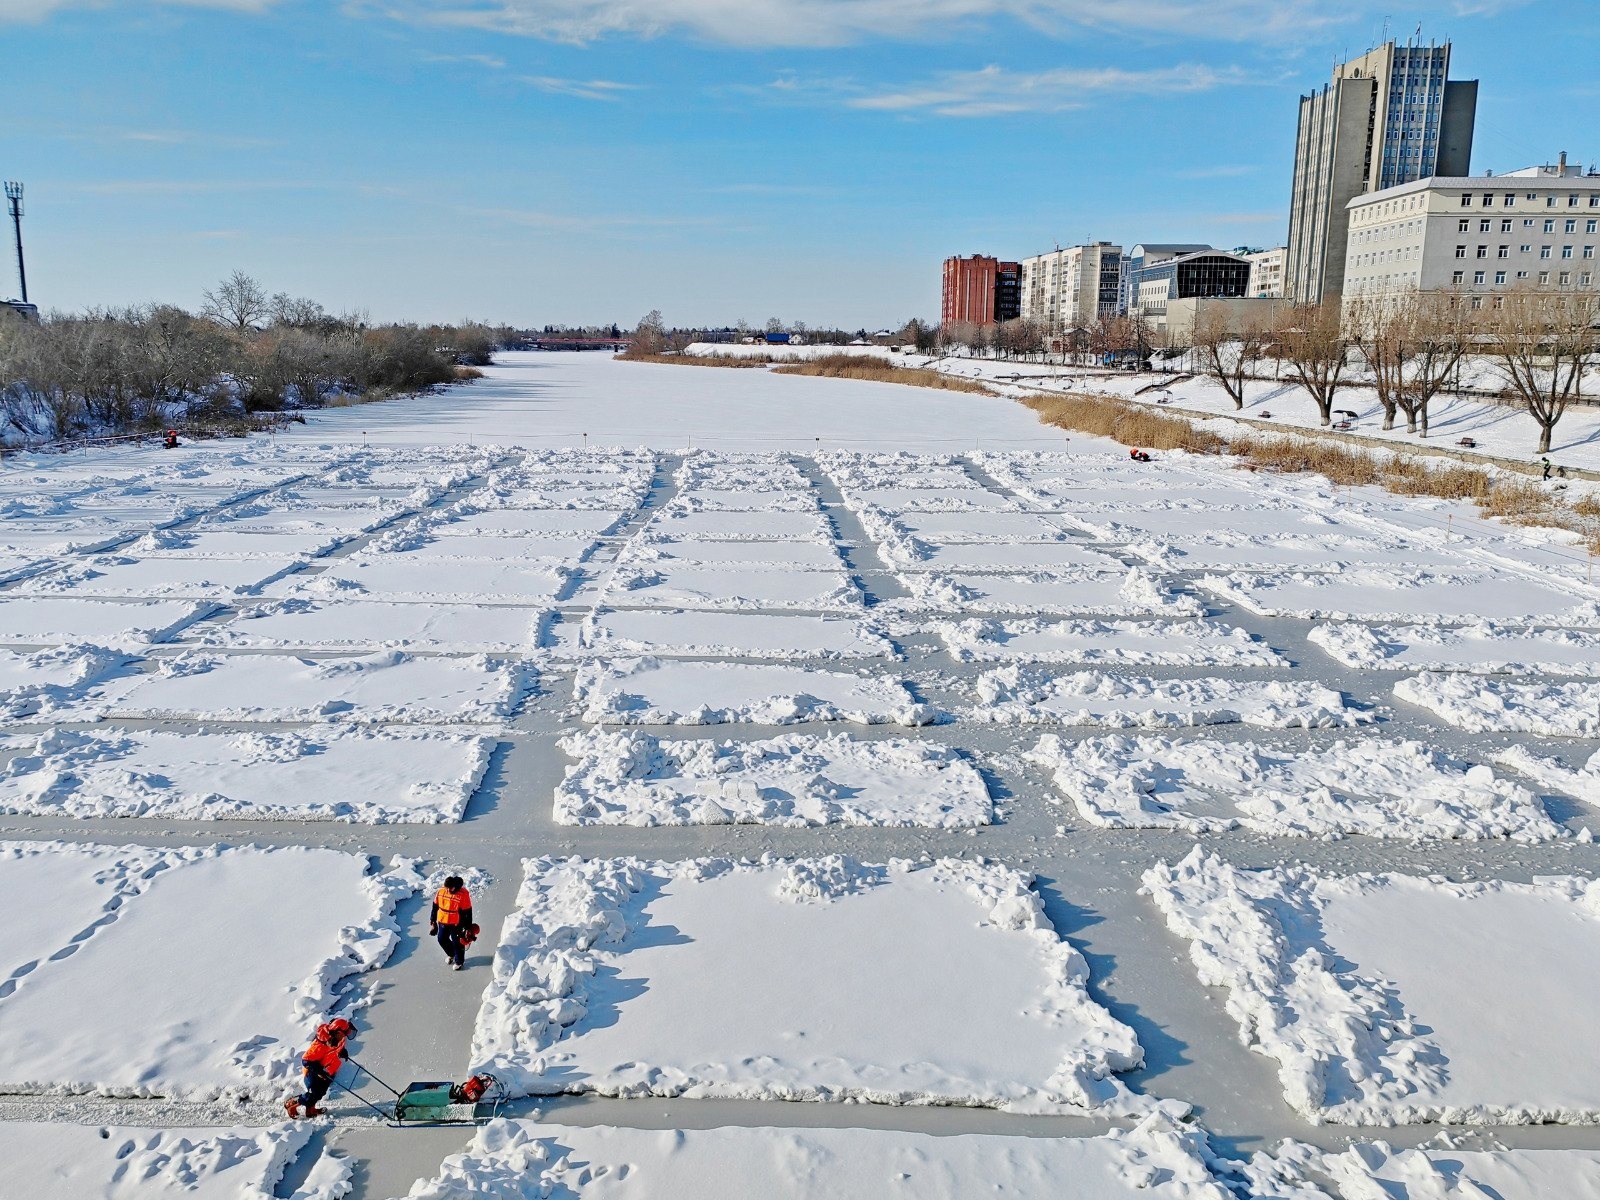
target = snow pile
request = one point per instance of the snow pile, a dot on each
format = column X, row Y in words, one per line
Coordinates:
column 458, row 580
column 692, row 633
column 652, row 691
column 419, row 541
column 89, row 1162
column 406, row 775
column 731, row 588
column 954, row 528
column 468, row 520
column 1583, row 784
column 1391, row 999
column 390, row 686
column 1120, row 643
column 1030, row 695
column 1426, row 597
column 937, row 983
column 1296, row 1171
column 1134, row 593
column 914, row 554
column 630, row 778
column 363, row 625
column 682, row 522
column 646, row 552
column 1374, row 787
column 1484, row 648
column 526, row 1160
column 58, row 621
column 1291, row 551
column 189, row 1015
column 43, row 684
column 1499, row 706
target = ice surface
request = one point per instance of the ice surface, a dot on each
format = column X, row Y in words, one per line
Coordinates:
column 1378, row 1171
column 527, row 1160
column 736, row 498
column 390, row 686
column 1004, row 528
column 652, row 691
column 1421, row 596
column 731, row 588
column 1298, row 552
column 421, row 543
column 632, row 778
column 223, row 542
column 52, row 620
column 329, row 774
column 676, row 521
column 1392, row 999
column 189, row 578
column 1029, row 695
column 93, row 1162
column 346, row 624
column 1034, row 558
column 1111, row 593
column 672, row 633
column 1379, row 788
column 43, row 684
column 1485, row 648
column 517, row 522
column 929, row 500
column 816, row 979
column 1132, row 643
column 189, row 1015
column 1501, row 706
column 401, row 577
column 644, row 553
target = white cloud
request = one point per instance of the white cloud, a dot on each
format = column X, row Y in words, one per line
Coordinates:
column 583, row 89
column 37, row 10
column 995, row 91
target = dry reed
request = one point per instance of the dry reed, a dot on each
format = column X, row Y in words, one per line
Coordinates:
column 872, row 369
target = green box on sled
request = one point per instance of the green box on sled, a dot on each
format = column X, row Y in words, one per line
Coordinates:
column 431, row 1103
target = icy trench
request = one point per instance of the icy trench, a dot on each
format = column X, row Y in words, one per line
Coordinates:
column 420, row 1021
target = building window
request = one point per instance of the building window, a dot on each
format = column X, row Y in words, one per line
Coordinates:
column 1584, row 279
column 1511, row 198
column 1549, row 201
column 1461, row 251
column 1588, row 251
column 1488, row 199
column 1572, row 226
column 1499, row 276
column 1456, row 277
column 1485, row 225
column 1594, row 200
column 1463, row 225
column 1483, row 252
column 1549, row 226
column 1544, row 251
column 1544, row 276
column 1505, row 226
column 1566, row 252
column 1503, row 252
column 1476, row 302
column 1591, row 226
column 1522, row 274
column 1477, row 277
column 1524, row 249
column 1566, row 278
column 1572, row 200
column 1466, row 199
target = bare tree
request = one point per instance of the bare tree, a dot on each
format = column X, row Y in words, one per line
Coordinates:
column 1310, row 338
column 1227, row 350
column 650, row 335
column 1380, row 329
column 774, row 325
column 1545, row 342
column 238, row 301
column 1439, row 329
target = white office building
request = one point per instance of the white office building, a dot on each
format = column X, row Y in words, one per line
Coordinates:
column 1267, row 272
column 1537, row 227
column 1072, row 287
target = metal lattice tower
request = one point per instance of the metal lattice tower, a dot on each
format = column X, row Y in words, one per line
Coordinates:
column 14, row 202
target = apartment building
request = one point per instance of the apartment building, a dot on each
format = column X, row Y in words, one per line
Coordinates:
column 980, row 290
column 1267, row 272
column 1072, row 287
column 1388, row 118
column 1537, row 227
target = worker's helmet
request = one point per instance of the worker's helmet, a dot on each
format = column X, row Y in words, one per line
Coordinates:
column 342, row 1027
column 453, row 882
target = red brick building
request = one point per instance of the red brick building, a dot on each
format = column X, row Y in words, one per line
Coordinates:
column 980, row 290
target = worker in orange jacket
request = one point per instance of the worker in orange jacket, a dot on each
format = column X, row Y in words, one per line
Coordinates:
column 319, row 1064
column 451, row 921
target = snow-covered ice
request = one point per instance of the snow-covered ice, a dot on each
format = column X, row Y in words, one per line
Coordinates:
column 53, row 620
column 815, row 979
column 400, row 577
column 732, row 588
column 527, row 522
column 390, row 686
column 1122, row 643
column 685, row 523
column 673, row 633
column 1030, row 695
column 1423, row 596
column 527, row 1160
column 1393, row 999
column 633, row 778
column 1481, row 705
column 642, row 554
column 45, row 683
column 160, row 578
column 1108, row 593
column 357, row 624
column 1380, row 788
column 405, row 774
column 93, row 1162
column 991, row 558
column 188, row 1014
column 1581, row 784
column 1484, row 648
column 653, row 691
column 1379, row 1171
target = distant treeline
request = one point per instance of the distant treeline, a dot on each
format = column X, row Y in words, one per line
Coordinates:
column 245, row 353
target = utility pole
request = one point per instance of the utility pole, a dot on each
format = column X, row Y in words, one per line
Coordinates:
column 14, row 202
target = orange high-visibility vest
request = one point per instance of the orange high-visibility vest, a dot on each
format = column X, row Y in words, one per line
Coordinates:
column 321, row 1054
column 450, row 905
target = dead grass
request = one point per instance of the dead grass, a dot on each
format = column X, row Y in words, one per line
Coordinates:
column 1518, row 501
column 465, row 373
column 872, row 369
column 702, row 360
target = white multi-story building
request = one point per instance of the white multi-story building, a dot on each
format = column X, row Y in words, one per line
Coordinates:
column 1072, row 287
column 1536, row 227
column 1266, row 272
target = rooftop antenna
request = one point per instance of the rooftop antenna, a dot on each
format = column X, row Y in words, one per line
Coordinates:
column 14, row 203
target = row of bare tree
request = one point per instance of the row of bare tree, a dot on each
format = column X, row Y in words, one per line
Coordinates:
column 1544, row 345
column 125, row 370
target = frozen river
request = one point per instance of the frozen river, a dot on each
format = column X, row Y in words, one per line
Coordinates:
column 884, row 723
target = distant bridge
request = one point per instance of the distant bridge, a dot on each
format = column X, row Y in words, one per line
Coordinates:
column 561, row 341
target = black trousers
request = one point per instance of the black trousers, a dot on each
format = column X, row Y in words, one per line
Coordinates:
column 318, row 1082
column 450, row 943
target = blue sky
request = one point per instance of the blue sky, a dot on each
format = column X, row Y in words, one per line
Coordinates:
column 540, row 161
